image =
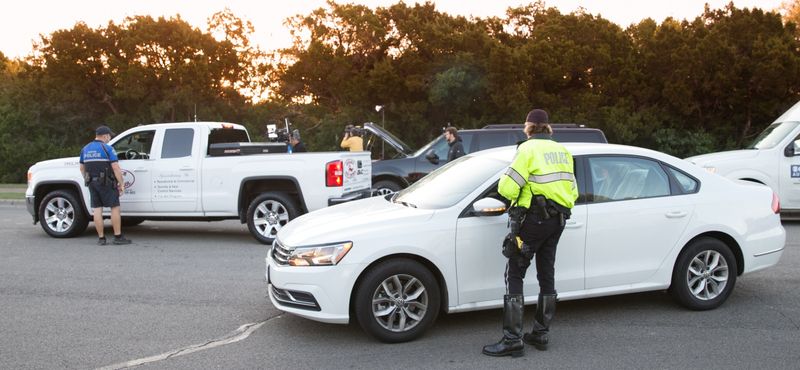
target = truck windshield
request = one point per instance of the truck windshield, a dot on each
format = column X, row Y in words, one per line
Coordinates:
column 427, row 146
column 773, row 135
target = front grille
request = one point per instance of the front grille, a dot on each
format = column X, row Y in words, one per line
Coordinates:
column 301, row 300
column 280, row 254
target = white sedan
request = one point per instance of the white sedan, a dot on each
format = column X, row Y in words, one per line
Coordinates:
column 644, row 221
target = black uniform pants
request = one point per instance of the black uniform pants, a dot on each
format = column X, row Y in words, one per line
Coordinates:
column 545, row 234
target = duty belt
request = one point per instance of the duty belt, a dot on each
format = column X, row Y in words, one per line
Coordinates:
column 99, row 179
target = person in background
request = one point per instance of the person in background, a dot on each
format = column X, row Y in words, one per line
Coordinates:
column 100, row 170
column 352, row 139
column 297, row 145
column 454, row 141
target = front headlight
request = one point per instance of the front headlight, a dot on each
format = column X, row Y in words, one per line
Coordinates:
column 322, row 255
column 710, row 168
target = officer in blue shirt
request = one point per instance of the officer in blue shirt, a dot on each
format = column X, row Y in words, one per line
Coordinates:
column 101, row 172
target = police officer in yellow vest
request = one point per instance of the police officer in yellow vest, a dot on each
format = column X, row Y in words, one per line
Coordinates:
column 541, row 179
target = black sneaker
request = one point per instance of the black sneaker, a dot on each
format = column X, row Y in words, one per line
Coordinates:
column 101, row 241
column 119, row 239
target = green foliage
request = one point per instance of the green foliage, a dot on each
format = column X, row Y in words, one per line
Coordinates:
column 142, row 71
column 683, row 144
column 680, row 86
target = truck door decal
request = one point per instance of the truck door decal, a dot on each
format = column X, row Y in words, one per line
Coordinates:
column 795, row 171
column 128, row 179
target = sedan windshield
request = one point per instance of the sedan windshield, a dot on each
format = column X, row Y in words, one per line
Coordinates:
column 773, row 135
column 450, row 184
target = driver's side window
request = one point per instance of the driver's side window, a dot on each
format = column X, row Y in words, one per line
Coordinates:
column 797, row 145
column 441, row 148
column 134, row 146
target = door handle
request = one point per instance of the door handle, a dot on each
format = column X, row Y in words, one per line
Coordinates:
column 140, row 169
column 573, row 225
column 187, row 168
column 677, row 214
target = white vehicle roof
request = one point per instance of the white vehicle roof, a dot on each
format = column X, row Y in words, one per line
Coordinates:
column 793, row 114
column 203, row 123
column 576, row 149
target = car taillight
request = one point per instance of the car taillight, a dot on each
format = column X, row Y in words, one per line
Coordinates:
column 776, row 204
column 333, row 173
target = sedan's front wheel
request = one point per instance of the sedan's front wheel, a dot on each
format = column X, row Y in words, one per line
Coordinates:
column 397, row 301
column 704, row 275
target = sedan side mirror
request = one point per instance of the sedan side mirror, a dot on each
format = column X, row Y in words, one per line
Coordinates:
column 488, row 207
column 432, row 157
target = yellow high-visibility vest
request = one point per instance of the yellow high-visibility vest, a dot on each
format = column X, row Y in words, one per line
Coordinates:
column 541, row 167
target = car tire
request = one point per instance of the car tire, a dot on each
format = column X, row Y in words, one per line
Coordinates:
column 406, row 311
column 268, row 213
column 385, row 187
column 61, row 214
column 704, row 275
column 131, row 221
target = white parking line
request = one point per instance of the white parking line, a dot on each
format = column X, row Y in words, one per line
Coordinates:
column 241, row 333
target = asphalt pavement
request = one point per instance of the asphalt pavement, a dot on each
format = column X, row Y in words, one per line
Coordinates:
column 192, row 295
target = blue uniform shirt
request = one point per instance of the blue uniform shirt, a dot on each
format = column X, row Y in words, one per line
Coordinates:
column 94, row 158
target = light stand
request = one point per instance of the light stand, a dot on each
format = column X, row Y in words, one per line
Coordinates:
column 380, row 108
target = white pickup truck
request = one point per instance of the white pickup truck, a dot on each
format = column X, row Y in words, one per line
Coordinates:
column 773, row 159
column 200, row 171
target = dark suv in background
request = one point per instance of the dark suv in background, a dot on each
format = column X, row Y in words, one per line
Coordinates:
column 407, row 166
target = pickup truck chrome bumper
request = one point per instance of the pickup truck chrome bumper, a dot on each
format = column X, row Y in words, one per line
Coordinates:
column 349, row 197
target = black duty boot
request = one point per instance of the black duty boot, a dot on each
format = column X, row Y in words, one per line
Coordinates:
column 545, row 309
column 511, row 344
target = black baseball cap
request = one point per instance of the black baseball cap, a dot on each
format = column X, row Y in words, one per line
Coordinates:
column 103, row 130
column 537, row 116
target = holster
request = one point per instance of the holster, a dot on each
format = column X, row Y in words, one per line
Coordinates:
column 547, row 208
column 510, row 248
column 515, row 217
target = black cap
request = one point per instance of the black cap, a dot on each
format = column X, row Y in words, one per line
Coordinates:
column 102, row 130
column 537, row 116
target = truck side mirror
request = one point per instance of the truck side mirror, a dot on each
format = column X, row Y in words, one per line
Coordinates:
column 432, row 157
column 789, row 151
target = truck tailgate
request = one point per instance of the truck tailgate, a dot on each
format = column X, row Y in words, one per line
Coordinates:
column 357, row 171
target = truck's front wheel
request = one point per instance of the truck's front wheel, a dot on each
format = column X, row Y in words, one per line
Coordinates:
column 268, row 213
column 61, row 214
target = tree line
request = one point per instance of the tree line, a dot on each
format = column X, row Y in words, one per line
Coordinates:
column 680, row 86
